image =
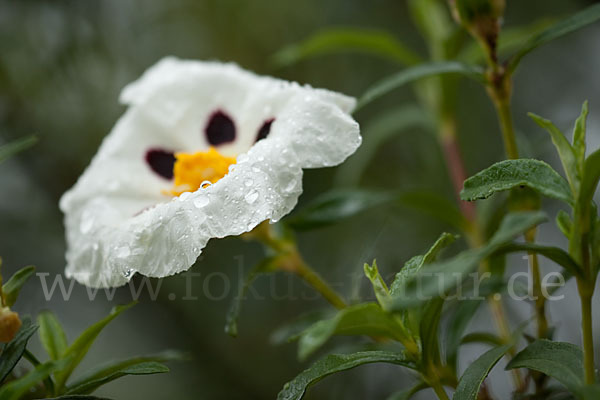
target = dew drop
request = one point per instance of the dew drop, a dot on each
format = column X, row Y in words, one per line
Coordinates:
column 205, row 184
column 184, row 196
column 248, row 182
column 201, row 201
column 127, row 273
column 251, row 197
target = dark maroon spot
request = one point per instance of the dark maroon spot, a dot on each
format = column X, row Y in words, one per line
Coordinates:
column 161, row 162
column 264, row 130
column 220, row 129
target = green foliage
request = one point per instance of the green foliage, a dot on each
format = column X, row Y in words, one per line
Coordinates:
column 415, row 73
column 474, row 375
column 577, row 21
column 561, row 361
column 407, row 394
column 442, row 276
column 10, row 149
column 361, row 319
column 79, row 348
column 333, row 41
column 564, row 223
column 336, row 205
column 462, row 316
column 511, row 174
column 379, row 286
column 11, row 289
column 52, row 335
column 13, row 351
column 116, row 371
column 295, row 389
column 17, row 388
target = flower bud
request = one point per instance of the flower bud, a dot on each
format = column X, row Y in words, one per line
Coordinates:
column 9, row 324
column 481, row 18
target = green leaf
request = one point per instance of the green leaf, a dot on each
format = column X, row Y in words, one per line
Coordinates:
column 291, row 331
column 52, row 335
column 565, row 151
column 428, row 331
column 360, row 319
column 462, row 316
column 337, row 205
column 129, row 368
column 510, row 174
column 267, row 265
column 17, row 388
column 13, row 350
column 103, row 374
column 376, row 131
column 379, row 287
column 10, row 149
column 591, row 392
column 482, row 337
column 333, row 41
column 555, row 254
column 509, row 41
column 589, row 181
column 577, row 21
column 407, row 394
column 579, row 136
column 440, row 277
column 474, row 375
column 12, row 287
column 295, row 389
column 436, row 206
column 415, row 73
column 562, row 361
column 79, row 348
column 564, row 223
column 412, row 266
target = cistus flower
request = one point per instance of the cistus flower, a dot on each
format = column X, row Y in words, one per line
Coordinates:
column 205, row 150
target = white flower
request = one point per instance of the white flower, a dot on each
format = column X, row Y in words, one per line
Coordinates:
column 126, row 214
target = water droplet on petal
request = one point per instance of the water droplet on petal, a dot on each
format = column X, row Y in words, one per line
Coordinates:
column 183, row 196
column 127, row 273
column 248, row 182
column 251, row 197
column 205, row 184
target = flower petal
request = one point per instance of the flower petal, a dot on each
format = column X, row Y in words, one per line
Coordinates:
column 116, row 218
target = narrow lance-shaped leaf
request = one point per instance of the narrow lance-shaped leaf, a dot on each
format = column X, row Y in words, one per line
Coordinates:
column 336, row 205
column 52, row 335
column 412, row 266
column 438, row 278
column 14, row 390
column 555, row 254
column 332, row 41
column 565, row 151
column 462, row 316
column 360, row 319
column 139, row 368
column 577, row 21
column 407, row 394
column 295, row 389
column 379, row 286
column 589, row 183
column 13, row 351
column 579, row 136
column 428, row 331
column 415, row 73
column 562, row 361
column 79, row 348
column 475, row 374
column 510, row 174
column 10, row 149
column 564, row 223
column 12, row 287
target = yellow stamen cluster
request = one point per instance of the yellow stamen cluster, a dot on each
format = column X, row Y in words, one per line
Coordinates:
column 192, row 170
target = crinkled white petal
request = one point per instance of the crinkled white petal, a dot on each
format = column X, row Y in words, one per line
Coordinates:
column 117, row 220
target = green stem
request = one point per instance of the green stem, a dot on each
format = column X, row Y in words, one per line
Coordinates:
column 439, row 390
column 586, row 327
column 540, row 299
column 501, row 101
column 311, row 277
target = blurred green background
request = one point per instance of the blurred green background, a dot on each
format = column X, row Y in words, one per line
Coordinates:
column 62, row 65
